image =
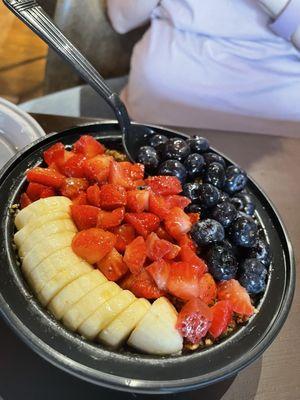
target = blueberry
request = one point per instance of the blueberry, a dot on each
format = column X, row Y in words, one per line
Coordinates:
column 223, row 197
column 238, row 203
column 253, row 276
column 236, row 179
column 221, row 262
column 194, row 165
column 248, row 205
column 207, row 231
column 176, row 149
column 208, row 195
column 158, row 142
column 193, row 208
column 243, row 231
column 225, row 213
column 213, row 157
column 174, row 168
column 261, row 251
column 215, row 174
column 148, row 156
column 191, row 190
column 198, row 144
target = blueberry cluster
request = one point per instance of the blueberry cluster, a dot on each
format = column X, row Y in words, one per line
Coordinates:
column 227, row 231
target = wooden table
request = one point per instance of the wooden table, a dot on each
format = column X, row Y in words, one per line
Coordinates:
column 274, row 163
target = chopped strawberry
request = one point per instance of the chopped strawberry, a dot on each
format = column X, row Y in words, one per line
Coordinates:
column 158, row 205
column 125, row 235
column 110, row 219
column 93, row 195
column 88, row 146
column 74, row 166
column 164, row 185
column 189, row 256
column 222, row 315
column 72, row 187
column 97, row 168
column 118, row 176
column 112, row 196
column 160, row 248
column 186, row 240
column 163, row 234
column 47, row 192
column 194, row 320
column 183, row 280
column 84, row 216
column 142, row 285
column 45, row 176
column 93, row 244
column 173, row 251
column 113, row 266
column 138, row 200
column 241, row 303
column 160, row 270
column 55, row 154
column 176, row 200
column 194, row 217
column 81, row 199
column 207, row 289
column 36, row 191
column 143, row 223
column 135, row 255
column 24, row 201
column 177, row 222
column 133, row 171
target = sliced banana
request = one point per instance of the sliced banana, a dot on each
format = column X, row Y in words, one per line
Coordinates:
column 74, row 291
column 81, row 310
column 120, row 328
column 42, row 207
column 44, row 249
column 40, row 234
column 60, row 280
column 103, row 316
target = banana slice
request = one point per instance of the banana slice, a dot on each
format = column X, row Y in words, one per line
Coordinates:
column 60, row 280
column 120, row 328
column 75, row 315
column 103, row 316
column 156, row 332
column 42, row 207
column 50, row 266
column 44, row 249
column 73, row 292
column 39, row 234
column 36, row 223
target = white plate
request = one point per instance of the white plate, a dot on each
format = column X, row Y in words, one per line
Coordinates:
column 17, row 129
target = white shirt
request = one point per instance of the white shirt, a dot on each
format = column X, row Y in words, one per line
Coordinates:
column 203, row 57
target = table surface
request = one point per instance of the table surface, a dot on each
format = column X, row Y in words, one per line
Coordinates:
column 274, row 163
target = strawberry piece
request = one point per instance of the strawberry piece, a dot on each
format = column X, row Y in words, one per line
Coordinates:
column 237, row 295
column 88, row 146
column 113, row 266
column 125, row 235
column 112, row 196
column 55, row 154
column 110, row 219
column 142, row 285
column 186, row 240
column 133, row 171
column 45, row 176
column 164, row 185
column 143, row 223
column 177, row 222
column 163, row 234
column 207, row 289
column 194, row 320
column 74, row 166
column 138, row 200
column 73, row 186
column 84, row 216
column 159, row 271
column 176, row 200
column 97, row 168
column 24, row 200
column 93, row 195
column 47, row 192
column 183, row 280
column 81, row 199
column 135, row 255
column 173, row 251
column 160, row 248
column 194, row 217
column 222, row 316
column 118, row 176
column 93, row 244
column 189, row 256
column 35, row 191
column 158, row 205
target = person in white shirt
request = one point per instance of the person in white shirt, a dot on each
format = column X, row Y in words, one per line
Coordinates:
column 200, row 58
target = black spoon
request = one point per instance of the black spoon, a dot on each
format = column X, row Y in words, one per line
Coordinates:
column 32, row 14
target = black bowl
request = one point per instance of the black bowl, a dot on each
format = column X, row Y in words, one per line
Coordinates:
column 125, row 370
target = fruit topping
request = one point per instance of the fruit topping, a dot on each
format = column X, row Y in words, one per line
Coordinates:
column 222, row 263
column 207, row 231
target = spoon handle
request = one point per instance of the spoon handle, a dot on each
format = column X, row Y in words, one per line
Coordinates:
column 32, row 14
